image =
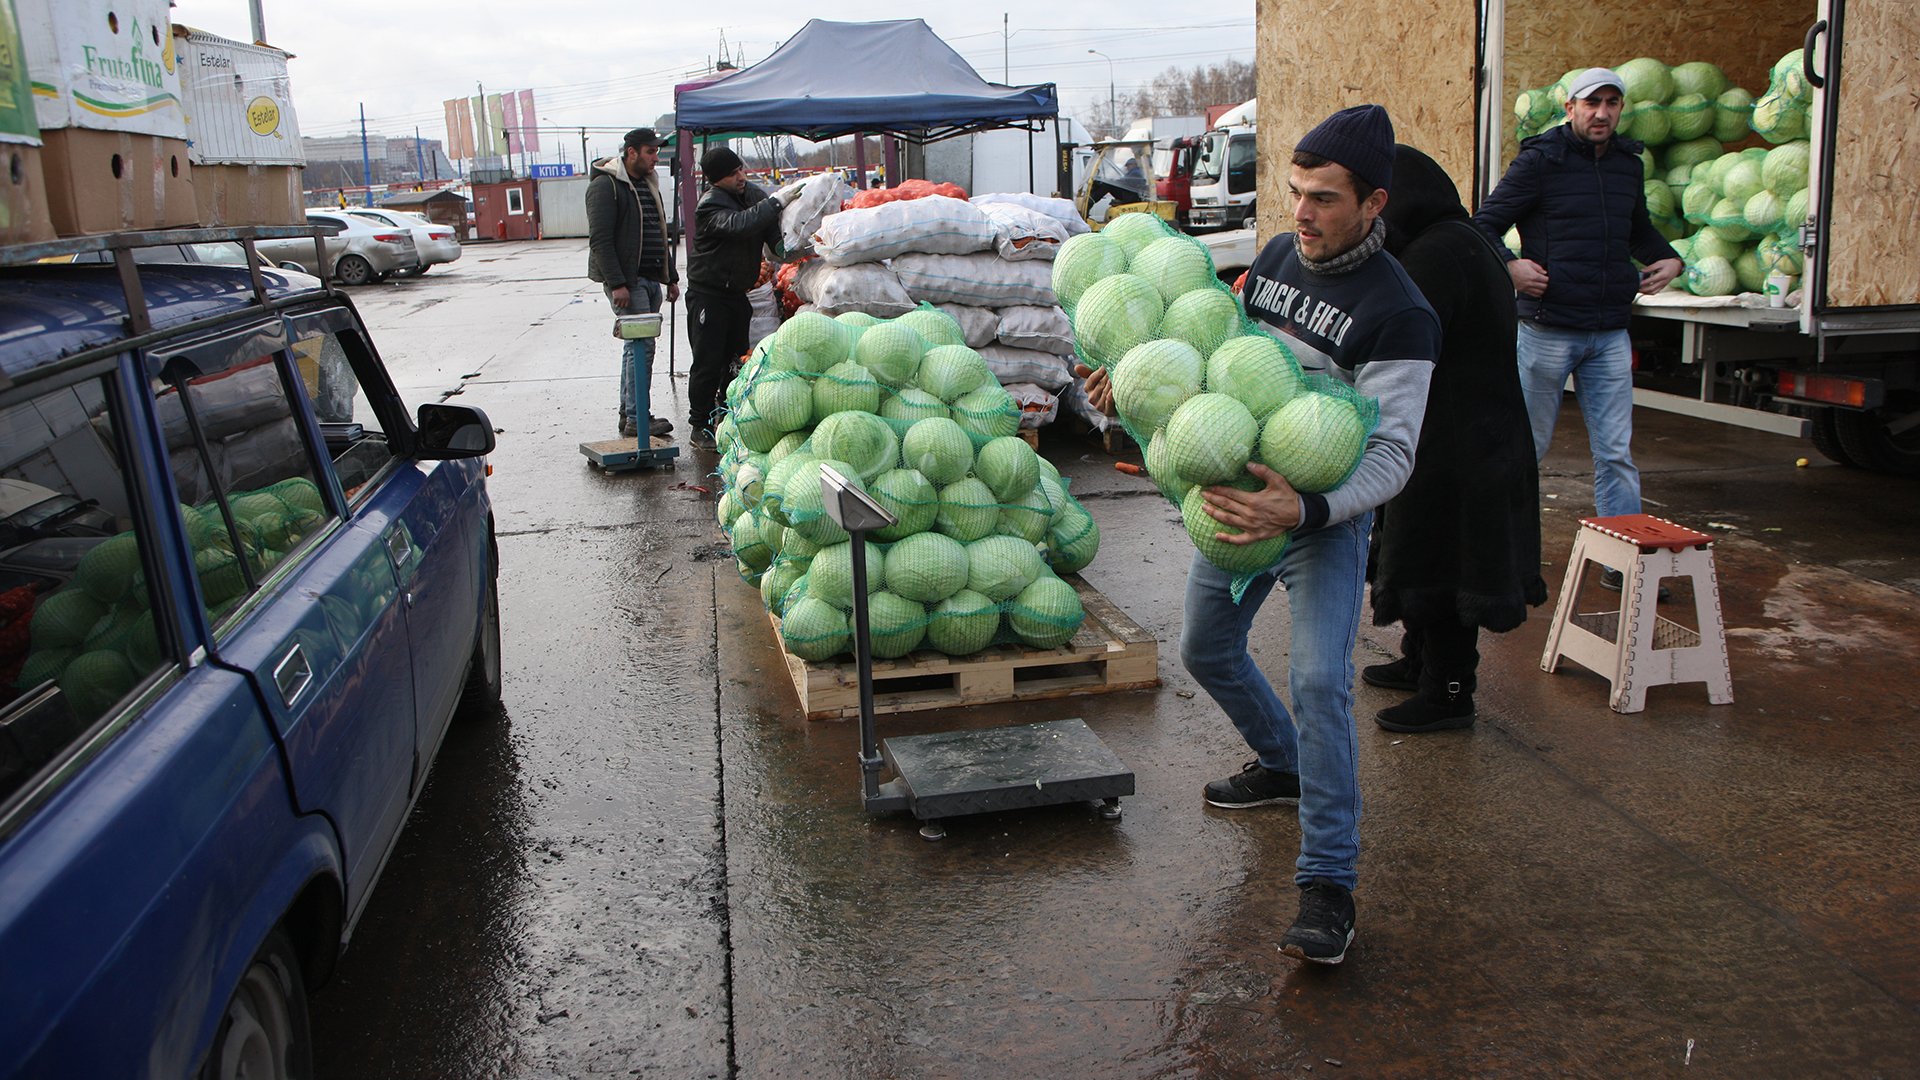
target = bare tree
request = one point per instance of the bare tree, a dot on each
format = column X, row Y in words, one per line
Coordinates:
column 1174, row 92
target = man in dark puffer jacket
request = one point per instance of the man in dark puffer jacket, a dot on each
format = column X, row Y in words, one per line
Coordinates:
column 1577, row 194
column 733, row 222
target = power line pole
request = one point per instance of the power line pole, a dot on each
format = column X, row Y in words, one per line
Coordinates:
column 366, row 162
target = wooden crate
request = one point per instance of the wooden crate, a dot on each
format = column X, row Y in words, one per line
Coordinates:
column 1110, row 652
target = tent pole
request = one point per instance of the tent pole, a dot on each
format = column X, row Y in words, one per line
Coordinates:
column 860, row 161
column 890, row 154
column 1032, row 181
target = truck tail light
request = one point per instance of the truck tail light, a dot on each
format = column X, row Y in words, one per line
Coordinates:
column 1833, row 389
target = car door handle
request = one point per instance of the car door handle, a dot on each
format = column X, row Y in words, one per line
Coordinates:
column 399, row 548
column 293, row 675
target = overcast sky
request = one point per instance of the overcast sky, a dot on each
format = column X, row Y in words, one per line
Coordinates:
column 605, row 63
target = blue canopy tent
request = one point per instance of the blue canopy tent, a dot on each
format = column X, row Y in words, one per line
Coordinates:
column 842, row 78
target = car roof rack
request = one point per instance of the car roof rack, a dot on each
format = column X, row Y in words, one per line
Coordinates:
column 121, row 246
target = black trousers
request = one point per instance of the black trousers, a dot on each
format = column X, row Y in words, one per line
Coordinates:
column 1445, row 653
column 717, row 325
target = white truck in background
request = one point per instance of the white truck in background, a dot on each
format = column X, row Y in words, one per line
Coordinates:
column 1225, row 186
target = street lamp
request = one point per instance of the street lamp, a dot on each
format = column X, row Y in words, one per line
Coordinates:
column 1113, row 113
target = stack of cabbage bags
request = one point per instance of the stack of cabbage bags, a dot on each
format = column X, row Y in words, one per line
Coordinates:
column 1732, row 214
column 913, row 416
column 96, row 636
column 1202, row 388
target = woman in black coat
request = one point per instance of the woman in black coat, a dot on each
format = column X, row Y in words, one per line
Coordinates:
column 1459, row 548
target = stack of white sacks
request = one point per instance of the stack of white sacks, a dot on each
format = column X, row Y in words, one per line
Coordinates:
column 988, row 262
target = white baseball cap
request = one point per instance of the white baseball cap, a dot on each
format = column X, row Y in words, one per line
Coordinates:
column 1593, row 79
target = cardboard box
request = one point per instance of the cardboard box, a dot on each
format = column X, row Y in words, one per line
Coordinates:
column 106, row 181
column 249, row 195
column 238, row 101
column 108, row 65
column 24, row 215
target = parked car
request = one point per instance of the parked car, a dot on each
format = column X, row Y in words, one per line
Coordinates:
column 243, row 595
column 359, row 252
column 435, row 242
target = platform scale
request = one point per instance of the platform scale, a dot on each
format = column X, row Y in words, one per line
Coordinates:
column 954, row 773
column 624, row 454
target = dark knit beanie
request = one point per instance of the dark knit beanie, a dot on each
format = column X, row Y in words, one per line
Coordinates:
column 1360, row 138
column 720, row 163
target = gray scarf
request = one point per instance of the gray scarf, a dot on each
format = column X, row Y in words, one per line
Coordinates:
column 1347, row 260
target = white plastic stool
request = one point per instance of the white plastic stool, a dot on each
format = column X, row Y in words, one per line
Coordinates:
column 1635, row 647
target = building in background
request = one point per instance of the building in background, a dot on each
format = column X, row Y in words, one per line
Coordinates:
column 335, row 162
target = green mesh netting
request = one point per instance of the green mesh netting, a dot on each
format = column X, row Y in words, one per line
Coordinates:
column 937, row 451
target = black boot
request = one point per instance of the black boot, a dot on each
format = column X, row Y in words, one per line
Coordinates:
column 1401, row 674
column 1443, row 708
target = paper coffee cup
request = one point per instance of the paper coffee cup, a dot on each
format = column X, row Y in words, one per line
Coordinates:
column 1778, row 286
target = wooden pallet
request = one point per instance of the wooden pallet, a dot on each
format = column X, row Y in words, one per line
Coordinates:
column 1110, row 652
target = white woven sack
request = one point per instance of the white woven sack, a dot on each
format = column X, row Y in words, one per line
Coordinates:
column 934, row 223
column 1031, row 327
column 1011, row 365
column 819, row 196
column 980, row 325
column 1061, row 210
column 1023, row 233
column 766, row 313
column 868, row 287
column 982, row 280
column 1037, row 407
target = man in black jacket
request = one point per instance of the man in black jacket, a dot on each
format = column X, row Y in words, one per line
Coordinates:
column 734, row 220
column 1577, row 194
column 628, row 253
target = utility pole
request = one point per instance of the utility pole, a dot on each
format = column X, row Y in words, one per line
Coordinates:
column 584, row 159
column 366, row 162
column 1006, row 65
column 419, row 162
column 259, row 22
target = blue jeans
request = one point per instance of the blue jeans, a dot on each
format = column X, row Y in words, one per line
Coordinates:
column 1323, row 571
column 640, row 301
column 1601, row 364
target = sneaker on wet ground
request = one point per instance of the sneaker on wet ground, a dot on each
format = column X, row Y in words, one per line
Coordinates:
column 1254, row 785
column 660, row 425
column 627, row 428
column 1325, row 927
column 703, row 440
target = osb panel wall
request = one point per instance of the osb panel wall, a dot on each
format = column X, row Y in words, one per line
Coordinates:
column 1745, row 37
column 1876, row 159
column 1316, row 57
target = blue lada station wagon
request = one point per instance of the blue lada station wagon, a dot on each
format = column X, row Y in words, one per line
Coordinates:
column 243, row 593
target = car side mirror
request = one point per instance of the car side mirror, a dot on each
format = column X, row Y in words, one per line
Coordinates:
column 451, row 432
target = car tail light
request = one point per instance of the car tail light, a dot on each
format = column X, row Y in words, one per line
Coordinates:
column 440, row 234
column 1835, row 389
column 390, row 238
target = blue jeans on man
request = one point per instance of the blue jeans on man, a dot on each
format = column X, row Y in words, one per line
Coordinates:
column 1601, row 365
column 1324, row 571
column 641, row 300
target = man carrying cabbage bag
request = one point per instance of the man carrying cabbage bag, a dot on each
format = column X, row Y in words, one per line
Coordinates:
column 1347, row 310
column 1578, row 197
column 732, row 222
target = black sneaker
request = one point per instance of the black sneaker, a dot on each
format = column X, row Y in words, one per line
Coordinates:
column 1254, row 785
column 1614, row 580
column 1325, row 927
column 1401, row 674
column 660, row 425
column 703, row 440
column 1428, row 712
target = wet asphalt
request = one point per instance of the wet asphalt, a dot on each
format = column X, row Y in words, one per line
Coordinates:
column 650, row 865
